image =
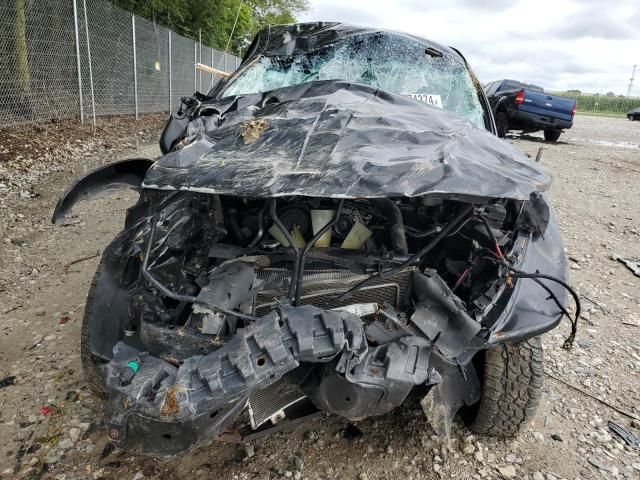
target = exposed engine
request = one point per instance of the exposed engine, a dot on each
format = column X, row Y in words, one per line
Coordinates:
column 301, row 304
column 199, row 238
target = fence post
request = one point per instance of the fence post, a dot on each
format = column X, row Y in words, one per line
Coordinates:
column 195, row 70
column 135, row 64
column 86, row 29
column 170, row 85
column 75, row 19
column 211, row 84
column 200, row 71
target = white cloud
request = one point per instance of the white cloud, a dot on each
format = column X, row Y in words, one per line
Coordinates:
column 559, row 44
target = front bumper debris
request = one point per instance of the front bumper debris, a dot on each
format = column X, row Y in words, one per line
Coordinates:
column 166, row 410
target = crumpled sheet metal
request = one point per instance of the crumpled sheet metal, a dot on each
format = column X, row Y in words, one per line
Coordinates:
column 441, row 316
column 342, row 140
column 458, row 386
column 254, row 358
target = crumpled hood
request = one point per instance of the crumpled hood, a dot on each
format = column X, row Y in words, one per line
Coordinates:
column 342, row 140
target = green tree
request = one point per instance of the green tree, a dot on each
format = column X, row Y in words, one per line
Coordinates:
column 216, row 18
column 276, row 11
column 165, row 11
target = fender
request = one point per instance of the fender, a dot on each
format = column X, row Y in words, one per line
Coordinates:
column 114, row 176
column 529, row 311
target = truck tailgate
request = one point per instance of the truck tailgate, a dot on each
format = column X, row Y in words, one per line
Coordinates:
column 547, row 105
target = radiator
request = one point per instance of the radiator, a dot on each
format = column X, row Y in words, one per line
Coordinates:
column 320, row 287
column 269, row 403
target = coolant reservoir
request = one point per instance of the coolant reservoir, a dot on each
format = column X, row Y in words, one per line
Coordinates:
column 356, row 237
column 320, row 218
column 298, row 240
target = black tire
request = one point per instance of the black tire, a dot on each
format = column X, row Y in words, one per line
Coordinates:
column 91, row 364
column 502, row 124
column 513, row 377
column 552, row 135
column 108, row 300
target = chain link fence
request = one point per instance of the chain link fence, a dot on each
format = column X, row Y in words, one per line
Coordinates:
column 63, row 59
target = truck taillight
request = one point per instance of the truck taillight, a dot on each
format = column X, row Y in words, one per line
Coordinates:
column 575, row 109
column 520, row 97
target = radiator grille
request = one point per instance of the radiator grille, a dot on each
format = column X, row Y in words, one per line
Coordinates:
column 320, row 287
column 269, row 402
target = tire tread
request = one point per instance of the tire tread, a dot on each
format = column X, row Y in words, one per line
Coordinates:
column 513, row 380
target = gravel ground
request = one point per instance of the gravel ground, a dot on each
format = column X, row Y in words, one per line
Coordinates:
column 50, row 424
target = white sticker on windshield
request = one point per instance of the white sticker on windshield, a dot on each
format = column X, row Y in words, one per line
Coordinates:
column 433, row 100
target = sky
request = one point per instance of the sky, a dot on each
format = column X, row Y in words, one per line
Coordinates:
column 589, row 45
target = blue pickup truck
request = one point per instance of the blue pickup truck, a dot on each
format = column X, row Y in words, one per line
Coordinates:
column 526, row 107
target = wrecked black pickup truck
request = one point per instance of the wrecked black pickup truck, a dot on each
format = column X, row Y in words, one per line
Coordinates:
column 333, row 228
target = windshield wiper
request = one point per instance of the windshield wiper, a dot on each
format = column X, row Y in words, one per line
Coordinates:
column 433, row 52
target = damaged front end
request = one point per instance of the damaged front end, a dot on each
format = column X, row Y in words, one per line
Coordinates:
column 280, row 308
column 327, row 246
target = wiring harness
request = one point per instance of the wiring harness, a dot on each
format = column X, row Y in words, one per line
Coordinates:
column 498, row 258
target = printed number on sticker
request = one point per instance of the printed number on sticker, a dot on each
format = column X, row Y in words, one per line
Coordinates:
column 433, row 100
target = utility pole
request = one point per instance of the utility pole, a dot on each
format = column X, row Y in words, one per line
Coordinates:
column 633, row 74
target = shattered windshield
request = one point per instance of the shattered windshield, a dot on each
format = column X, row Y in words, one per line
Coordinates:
column 389, row 62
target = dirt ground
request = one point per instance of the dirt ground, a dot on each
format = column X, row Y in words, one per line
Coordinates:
column 50, row 424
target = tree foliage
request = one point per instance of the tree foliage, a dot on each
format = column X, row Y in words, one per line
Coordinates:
column 216, row 18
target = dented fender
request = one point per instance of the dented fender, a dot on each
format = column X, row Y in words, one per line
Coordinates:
column 530, row 312
column 114, row 176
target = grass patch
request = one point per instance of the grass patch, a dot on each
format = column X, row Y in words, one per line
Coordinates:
column 602, row 105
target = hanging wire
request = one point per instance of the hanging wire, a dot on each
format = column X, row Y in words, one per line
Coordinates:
column 226, row 49
column 498, row 258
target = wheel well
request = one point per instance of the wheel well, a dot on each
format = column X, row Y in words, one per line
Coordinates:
column 469, row 412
